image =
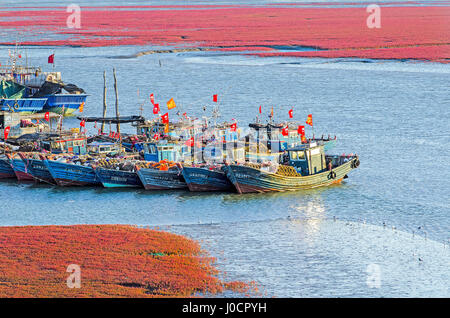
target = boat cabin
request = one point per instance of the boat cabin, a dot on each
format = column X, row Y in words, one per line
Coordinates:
column 307, row 159
column 105, row 148
column 164, row 151
column 75, row 145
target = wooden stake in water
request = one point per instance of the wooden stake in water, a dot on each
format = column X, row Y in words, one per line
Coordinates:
column 117, row 101
column 104, row 100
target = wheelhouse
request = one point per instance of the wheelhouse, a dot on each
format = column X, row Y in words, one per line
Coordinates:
column 76, row 146
column 307, row 159
column 105, row 148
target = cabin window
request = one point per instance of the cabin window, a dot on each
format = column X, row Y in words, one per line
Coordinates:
column 103, row 149
column 293, row 155
column 301, row 155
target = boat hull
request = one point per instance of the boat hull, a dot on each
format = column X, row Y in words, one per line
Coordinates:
column 117, row 178
column 39, row 170
column 249, row 180
column 64, row 104
column 203, row 179
column 23, row 105
column 68, row 174
column 21, row 170
column 154, row 179
column 6, row 171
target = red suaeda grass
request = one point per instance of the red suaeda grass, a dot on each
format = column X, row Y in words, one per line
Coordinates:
column 115, row 261
column 416, row 32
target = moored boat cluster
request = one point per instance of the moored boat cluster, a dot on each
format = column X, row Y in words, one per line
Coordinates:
column 219, row 159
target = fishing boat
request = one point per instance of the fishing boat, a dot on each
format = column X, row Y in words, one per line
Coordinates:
column 20, row 168
column 305, row 166
column 163, row 175
column 205, row 178
column 6, row 171
column 34, row 162
column 118, row 173
column 72, row 172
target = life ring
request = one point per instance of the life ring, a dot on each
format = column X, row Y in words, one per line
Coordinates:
column 16, row 105
column 332, row 175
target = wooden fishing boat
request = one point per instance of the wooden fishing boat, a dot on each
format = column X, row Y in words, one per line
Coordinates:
column 20, row 168
column 114, row 173
column 304, row 167
column 161, row 176
column 35, row 165
column 112, row 178
column 205, row 178
column 6, row 171
column 72, row 172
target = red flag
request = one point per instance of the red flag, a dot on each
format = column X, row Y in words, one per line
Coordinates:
column 291, row 113
column 156, row 136
column 260, row 110
column 165, row 118
column 51, row 59
column 309, row 120
column 304, row 139
column 301, row 130
column 152, row 99
column 47, row 116
column 190, row 142
column 285, row 131
column 233, row 127
column 82, row 123
column 155, row 109
column 99, row 131
column 215, row 98
column 6, row 132
column 117, row 135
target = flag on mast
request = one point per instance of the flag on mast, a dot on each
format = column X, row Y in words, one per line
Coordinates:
column 171, row 104
column 309, row 121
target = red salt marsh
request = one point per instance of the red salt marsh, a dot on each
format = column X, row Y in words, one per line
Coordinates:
column 115, row 261
column 406, row 31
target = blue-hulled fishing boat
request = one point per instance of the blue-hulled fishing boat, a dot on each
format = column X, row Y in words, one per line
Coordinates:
column 23, row 105
column 305, row 167
column 36, row 167
column 20, row 169
column 162, row 178
column 206, row 178
column 72, row 174
column 112, row 178
column 6, row 171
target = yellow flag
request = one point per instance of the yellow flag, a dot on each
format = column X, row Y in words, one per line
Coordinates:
column 166, row 128
column 171, row 104
column 80, row 109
